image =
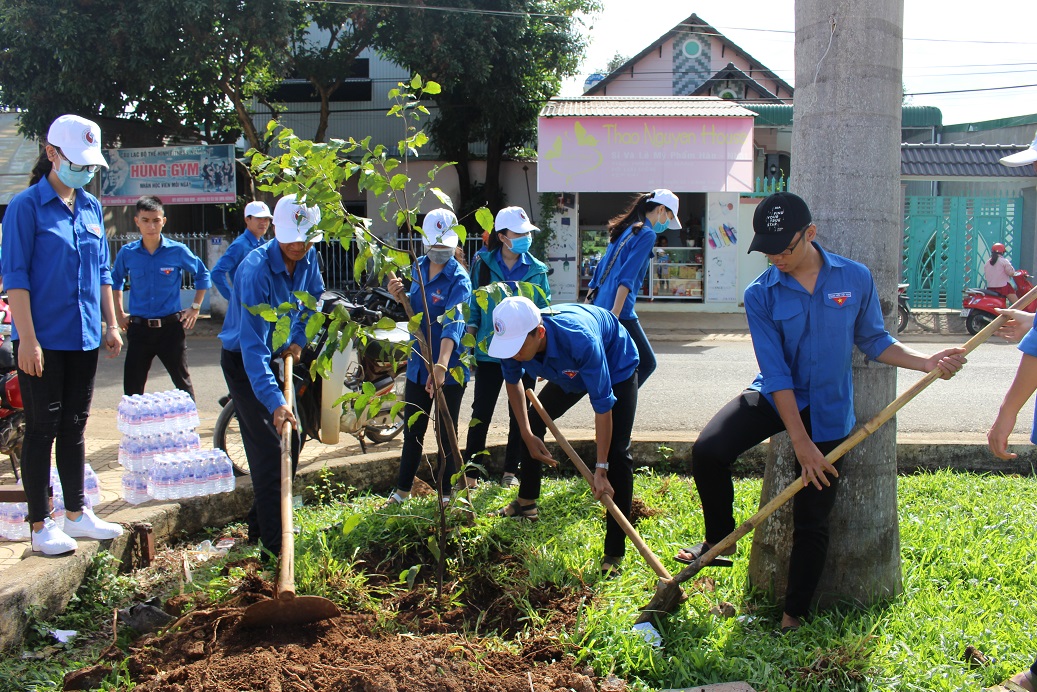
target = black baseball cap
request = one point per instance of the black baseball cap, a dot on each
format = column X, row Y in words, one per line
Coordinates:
column 777, row 220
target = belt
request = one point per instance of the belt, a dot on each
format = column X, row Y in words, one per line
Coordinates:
column 156, row 322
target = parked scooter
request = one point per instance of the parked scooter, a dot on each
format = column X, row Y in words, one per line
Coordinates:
column 979, row 305
column 12, row 417
column 903, row 309
column 377, row 368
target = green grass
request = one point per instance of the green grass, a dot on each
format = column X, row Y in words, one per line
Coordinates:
column 968, row 556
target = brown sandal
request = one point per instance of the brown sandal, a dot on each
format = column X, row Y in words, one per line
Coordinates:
column 516, row 510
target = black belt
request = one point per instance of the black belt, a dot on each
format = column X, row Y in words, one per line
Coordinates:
column 156, row 322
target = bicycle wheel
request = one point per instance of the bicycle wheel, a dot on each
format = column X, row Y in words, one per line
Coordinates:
column 227, row 436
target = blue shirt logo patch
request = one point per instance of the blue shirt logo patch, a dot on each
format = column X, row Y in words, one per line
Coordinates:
column 840, row 298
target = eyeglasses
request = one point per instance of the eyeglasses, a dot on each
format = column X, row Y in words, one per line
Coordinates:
column 75, row 167
column 790, row 249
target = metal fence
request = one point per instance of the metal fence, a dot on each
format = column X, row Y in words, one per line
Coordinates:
column 337, row 261
column 195, row 241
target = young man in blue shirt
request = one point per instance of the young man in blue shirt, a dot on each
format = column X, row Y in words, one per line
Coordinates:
column 257, row 223
column 805, row 313
column 269, row 275
column 155, row 325
column 581, row 350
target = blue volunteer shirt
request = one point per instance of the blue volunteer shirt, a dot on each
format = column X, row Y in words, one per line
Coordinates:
column 804, row 342
column 263, row 278
column 587, row 351
column 223, row 270
column 61, row 257
column 517, row 272
column 448, row 290
column 629, row 269
column 155, row 279
column 1029, row 346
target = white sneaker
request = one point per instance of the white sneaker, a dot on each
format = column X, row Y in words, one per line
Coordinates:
column 50, row 540
column 89, row 526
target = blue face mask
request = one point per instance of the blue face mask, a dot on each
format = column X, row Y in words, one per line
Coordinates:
column 521, row 244
column 74, row 179
column 661, row 226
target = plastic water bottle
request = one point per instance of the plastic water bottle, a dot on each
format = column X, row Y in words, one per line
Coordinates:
column 6, row 521
column 20, row 524
column 191, row 412
column 91, row 487
column 134, row 487
column 226, row 473
column 58, row 514
column 158, row 482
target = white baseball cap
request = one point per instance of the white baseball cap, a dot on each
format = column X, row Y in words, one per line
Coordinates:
column 292, row 221
column 1022, row 158
column 79, row 140
column 438, row 227
column 513, row 319
column 513, row 219
column 669, row 200
column 258, row 209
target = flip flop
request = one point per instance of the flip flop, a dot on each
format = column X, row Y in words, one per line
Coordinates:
column 698, row 551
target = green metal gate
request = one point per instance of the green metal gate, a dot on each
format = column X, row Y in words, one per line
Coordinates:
column 946, row 241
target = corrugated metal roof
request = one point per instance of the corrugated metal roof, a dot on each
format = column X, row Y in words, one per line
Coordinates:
column 999, row 124
column 780, row 114
column 960, row 161
column 643, row 106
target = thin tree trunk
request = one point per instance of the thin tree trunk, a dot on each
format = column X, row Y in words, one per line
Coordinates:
column 846, row 165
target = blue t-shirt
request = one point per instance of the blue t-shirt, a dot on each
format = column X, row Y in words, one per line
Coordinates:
column 804, row 341
column 628, row 270
column 155, row 279
column 61, row 258
column 587, row 351
column 223, row 270
column 263, row 278
column 1029, row 346
column 449, row 289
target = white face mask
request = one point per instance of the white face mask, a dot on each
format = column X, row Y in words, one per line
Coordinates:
column 439, row 255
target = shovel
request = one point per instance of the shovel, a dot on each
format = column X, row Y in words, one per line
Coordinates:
column 651, row 558
column 285, row 608
column 668, row 595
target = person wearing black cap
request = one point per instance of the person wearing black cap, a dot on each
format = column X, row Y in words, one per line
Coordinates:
column 806, row 313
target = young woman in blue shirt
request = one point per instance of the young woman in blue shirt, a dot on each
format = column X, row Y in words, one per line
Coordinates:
column 56, row 268
column 447, row 287
column 806, row 313
column 621, row 272
column 507, row 259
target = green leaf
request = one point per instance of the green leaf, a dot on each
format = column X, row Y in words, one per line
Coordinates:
column 414, row 417
column 368, row 388
column 306, row 299
column 414, row 324
column 433, row 546
column 399, row 181
column 485, row 218
column 445, row 200
column 458, row 374
column 351, row 523
column 374, row 408
column 474, row 422
column 396, row 408
column 432, row 88
column 415, row 82
column 281, row 332
column 410, row 576
column 468, row 340
column 313, row 324
column 386, row 323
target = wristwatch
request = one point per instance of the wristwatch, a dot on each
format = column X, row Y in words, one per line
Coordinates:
column 196, row 306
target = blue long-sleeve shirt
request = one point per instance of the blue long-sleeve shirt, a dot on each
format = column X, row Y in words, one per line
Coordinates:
column 263, row 278
column 628, row 270
column 61, row 258
column 587, row 350
column 804, row 341
column 223, row 270
column 155, row 279
column 1029, row 346
column 449, row 289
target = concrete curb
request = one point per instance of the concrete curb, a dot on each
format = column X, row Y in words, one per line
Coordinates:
column 46, row 584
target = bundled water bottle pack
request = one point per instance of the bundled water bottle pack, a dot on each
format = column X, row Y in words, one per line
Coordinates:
column 161, row 452
column 13, row 515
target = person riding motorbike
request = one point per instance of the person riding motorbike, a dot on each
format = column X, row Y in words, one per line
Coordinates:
column 999, row 273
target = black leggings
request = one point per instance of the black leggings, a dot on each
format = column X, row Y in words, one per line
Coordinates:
column 56, row 408
column 742, row 424
column 414, row 434
column 488, row 382
column 556, row 402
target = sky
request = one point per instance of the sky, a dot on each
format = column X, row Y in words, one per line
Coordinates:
column 948, row 46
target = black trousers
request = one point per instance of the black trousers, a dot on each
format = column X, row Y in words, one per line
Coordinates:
column 414, row 434
column 556, row 402
column 262, row 449
column 168, row 342
column 57, row 405
column 743, row 423
column 488, row 382
column 646, row 356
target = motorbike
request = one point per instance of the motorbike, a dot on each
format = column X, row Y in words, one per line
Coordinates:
column 979, row 305
column 376, row 367
column 903, row 308
column 12, row 415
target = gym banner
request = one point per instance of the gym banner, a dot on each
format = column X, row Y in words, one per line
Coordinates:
column 195, row 174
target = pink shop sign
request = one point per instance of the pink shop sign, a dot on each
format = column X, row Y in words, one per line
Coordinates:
column 602, row 154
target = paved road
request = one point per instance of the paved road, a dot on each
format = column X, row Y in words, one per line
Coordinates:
column 695, row 378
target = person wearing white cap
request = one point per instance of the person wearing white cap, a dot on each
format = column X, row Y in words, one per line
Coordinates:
column 272, row 275
column 509, row 260
column 621, row 272
column 56, row 268
column 581, row 350
column 257, row 223
column 446, row 288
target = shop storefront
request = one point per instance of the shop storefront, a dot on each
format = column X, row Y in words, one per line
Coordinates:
column 598, row 153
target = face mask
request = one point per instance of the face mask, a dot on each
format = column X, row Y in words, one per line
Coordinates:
column 439, row 256
column 521, row 244
column 661, row 226
column 73, row 179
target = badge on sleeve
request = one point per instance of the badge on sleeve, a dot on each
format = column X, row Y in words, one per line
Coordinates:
column 94, row 228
